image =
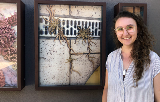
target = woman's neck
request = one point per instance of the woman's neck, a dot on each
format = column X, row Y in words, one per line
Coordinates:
column 126, row 51
column 126, row 56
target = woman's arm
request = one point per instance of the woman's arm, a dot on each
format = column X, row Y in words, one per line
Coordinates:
column 105, row 90
column 156, row 83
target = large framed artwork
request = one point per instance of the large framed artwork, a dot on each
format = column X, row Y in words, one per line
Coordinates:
column 70, row 44
column 11, row 45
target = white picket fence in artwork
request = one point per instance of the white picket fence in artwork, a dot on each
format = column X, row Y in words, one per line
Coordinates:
column 70, row 27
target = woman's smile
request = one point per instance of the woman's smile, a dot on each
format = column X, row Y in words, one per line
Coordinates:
column 126, row 38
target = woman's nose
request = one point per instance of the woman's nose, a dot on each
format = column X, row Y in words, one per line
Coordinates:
column 125, row 32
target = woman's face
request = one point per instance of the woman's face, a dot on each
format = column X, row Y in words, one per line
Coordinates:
column 126, row 31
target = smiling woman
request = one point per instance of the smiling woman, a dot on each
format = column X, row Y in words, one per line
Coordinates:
column 126, row 31
column 135, row 57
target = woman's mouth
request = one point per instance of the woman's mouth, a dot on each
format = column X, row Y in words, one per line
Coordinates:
column 127, row 38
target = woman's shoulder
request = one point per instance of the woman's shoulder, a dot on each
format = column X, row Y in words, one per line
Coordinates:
column 112, row 57
column 117, row 51
column 154, row 56
column 114, row 53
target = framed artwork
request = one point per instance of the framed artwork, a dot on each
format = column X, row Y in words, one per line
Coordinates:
column 69, row 44
column 136, row 8
column 11, row 45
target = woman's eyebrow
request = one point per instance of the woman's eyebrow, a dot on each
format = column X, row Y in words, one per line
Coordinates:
column 119, row 27
column 126, row 25
column 130, row 25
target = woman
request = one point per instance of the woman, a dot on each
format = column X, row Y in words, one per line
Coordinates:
column 132, row 73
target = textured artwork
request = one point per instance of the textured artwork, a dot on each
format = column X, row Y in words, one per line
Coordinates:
column 8, row 45
column 69, row 45
column 138, row 10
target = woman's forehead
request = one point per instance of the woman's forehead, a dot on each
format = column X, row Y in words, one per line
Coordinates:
column 124, row 21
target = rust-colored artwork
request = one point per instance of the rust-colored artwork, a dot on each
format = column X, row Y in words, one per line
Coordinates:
column 8, row 45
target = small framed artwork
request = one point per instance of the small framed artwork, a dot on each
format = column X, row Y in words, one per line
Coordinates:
column 136, row 8
column 11, row 45
column 70, row 44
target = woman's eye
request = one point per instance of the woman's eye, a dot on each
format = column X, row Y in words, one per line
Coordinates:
column 129, row 27
column 119, row 29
